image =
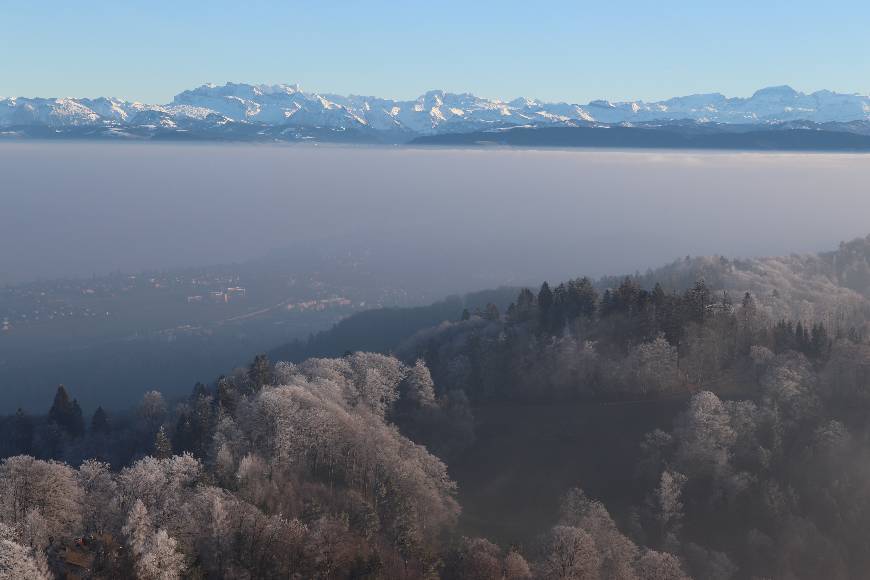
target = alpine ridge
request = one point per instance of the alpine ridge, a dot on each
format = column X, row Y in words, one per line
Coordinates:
column 288, row 113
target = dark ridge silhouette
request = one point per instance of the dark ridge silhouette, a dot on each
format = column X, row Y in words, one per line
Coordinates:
column 774, row 139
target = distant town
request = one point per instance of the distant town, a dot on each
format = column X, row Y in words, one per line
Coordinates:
column 187, row 295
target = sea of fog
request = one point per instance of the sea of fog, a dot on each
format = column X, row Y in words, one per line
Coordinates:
column 466, row 218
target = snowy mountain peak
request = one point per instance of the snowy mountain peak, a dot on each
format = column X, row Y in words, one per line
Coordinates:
column 781, row 91
column 436, row 111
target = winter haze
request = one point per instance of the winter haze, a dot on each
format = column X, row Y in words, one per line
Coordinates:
column 459, row 219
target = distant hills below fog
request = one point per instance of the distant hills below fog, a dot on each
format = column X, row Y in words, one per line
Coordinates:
column 772, row 118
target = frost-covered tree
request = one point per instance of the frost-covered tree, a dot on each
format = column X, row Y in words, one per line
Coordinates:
column 704, row 436
column 99, row 496
column 668, row 508
column 161, row 560
column 317, row 425
column 19, row 562
column 376, row 379
column 571, row 554
column 654, row 565
column 790, row 385
column 162, row 444
column 138, row 529
column 52, row 488
column 653, row 366
column 152, row 411
column 154, row 552
column 163, row 486
column 476, row 559
column 282, row 372
column 516, row 567
column 419, row 386
column 616, row 552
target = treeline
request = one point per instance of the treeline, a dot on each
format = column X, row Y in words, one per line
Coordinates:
column 273, row 472
column 335, row 467
column 393, row 325
column 287, row 471
column 765, row 479
column 628, row 342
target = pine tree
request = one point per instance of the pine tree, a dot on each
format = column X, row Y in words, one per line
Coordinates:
column 260, row 372
column 61, row 407
column 184, row 433
column 227, row 395
column 545, row 305
column 100, row 421
column 607, row 303
column 491, row 312
column 66, row 413
column 658, row 296
column 545, row 297
column 77, row 420
column 801, row 338
column 199, row 390
column 162, row 445
column 819, row 341
column 525, row 305
column 697, row 300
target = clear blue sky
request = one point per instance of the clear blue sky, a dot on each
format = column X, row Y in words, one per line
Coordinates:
column 570, row 50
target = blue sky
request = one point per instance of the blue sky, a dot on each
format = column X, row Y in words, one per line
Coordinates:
column 573, row 51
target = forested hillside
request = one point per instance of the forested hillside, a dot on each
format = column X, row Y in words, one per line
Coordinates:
column 393, row 326
column 707, row 420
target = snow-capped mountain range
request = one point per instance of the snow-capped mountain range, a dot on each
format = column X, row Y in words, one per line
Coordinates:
column 273, row 110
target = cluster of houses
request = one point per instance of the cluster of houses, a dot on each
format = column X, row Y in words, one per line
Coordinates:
column 319, row 304
column 219, row 295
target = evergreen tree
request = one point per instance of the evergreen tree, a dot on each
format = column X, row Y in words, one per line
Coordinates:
column 607, row 303
column 559, row 313
column 629, row 297
column 583, row 297
column 784, row 336
column 61, row 407
column 801, row 338
column 491, row 312
column 525, row 305
column 658, row 296
column 260, row 372
column 199, row 390
column 227, row 395
column 66, row 413
column 545, row 304
column 669, row 317
column 697, row 300
column 162, row 445
column 819, row 342
column 77, row 420
column 100, row 421
column 184, row 437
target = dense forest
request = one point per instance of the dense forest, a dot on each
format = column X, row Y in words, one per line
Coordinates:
column 340, row 467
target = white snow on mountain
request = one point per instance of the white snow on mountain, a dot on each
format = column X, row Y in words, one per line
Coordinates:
column 433, row 112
